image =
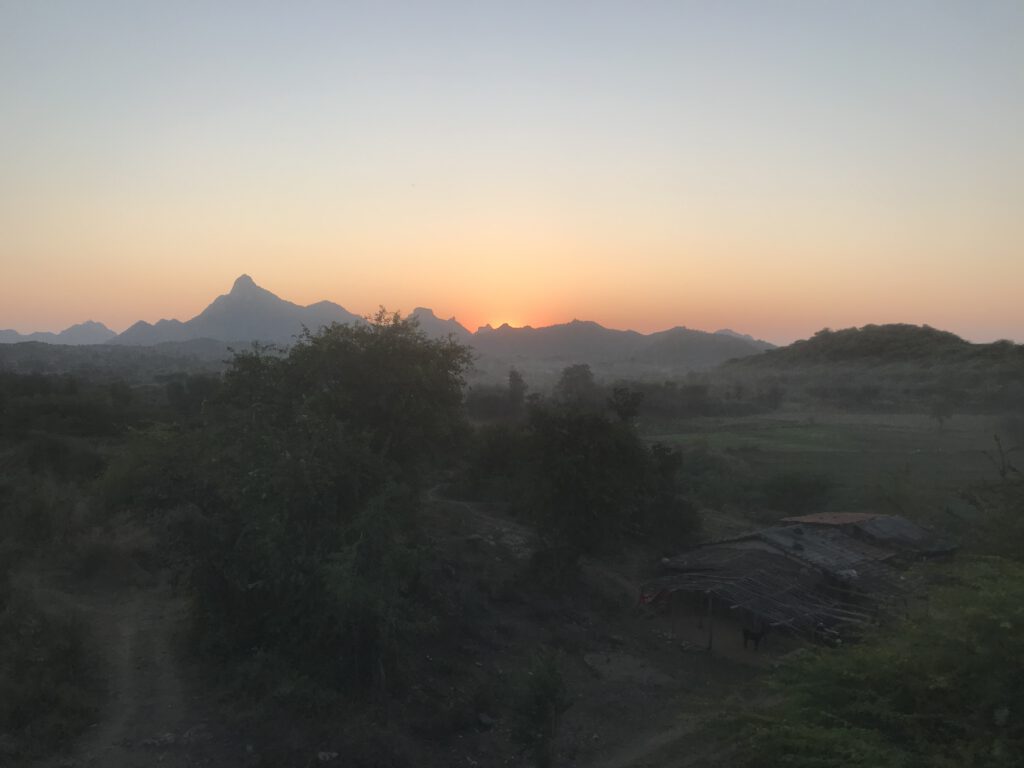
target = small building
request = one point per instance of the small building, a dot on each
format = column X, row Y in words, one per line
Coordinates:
column 906, row 539
column 813, row 577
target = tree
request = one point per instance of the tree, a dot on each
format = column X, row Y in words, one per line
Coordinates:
column 516, row 393
column 625, row 403
column 307, row 467
column 588, row 480
column 540, row 701
column 577, row 390
column 584, row 470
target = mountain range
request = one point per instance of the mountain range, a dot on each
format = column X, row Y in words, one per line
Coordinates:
column 89, row 332
column 251, row 313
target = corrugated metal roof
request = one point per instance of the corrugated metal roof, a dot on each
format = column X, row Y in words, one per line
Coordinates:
column 890, row 530
column 763, row 583
column 803, row 575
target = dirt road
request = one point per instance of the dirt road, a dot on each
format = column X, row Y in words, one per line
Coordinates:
column 148, row 718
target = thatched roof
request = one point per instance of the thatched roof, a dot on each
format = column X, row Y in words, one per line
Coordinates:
column 801, row 576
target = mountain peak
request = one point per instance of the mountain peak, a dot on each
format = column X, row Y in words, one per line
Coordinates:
column 243, row 284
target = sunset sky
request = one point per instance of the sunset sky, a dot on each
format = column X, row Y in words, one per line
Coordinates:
column 773, row 167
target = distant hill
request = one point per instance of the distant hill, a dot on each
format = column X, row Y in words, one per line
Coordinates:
column 889, row 367
column 580, row 341
column 884, row 345
column 698, row 348
column 89, row 332
column 543, row 352
column 110, row 362
column 247, row 313
column 250, row 313
column 436, row 328
column 759, row 343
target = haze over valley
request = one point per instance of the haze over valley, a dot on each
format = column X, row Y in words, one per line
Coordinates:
column 249, row 313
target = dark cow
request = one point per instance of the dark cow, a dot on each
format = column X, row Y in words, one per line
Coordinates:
column 755, row 635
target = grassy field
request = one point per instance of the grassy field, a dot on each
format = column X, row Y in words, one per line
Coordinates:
column 903, row 463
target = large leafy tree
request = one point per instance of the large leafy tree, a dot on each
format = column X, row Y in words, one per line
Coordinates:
column 589, row 480
column 306, row 467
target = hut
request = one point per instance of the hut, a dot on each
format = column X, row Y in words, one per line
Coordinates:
column 812, row 579
column 907, row 540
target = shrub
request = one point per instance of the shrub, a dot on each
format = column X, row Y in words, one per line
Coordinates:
column 946, row 689
column 540, row 700
column 47, row 692
column 797, row 493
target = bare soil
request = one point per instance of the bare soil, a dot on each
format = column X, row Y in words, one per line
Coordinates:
column 151, row 716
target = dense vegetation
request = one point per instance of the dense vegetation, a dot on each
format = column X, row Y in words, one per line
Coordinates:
column 287, row 495
column 576, row 467
column 889, row 368
column 55, row 434
column 943, row 689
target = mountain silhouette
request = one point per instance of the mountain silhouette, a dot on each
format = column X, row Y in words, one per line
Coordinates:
column 89, row 332
column 247, row 313
column 764, row 345
column 584, row 341
column 250, row 313
column 436, row 328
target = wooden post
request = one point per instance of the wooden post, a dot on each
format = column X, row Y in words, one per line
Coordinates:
column 711, row 621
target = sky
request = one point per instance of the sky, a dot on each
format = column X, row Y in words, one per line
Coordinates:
column 772, row 167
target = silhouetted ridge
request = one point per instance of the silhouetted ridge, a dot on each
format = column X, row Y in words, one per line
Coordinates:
column 883, row 344
column 436, row 328
column 249, row 313
column 242, row 284
column 89, row 332
column 246, row 313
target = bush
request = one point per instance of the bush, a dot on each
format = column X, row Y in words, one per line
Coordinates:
column 305, row 471
column 942, row 690
column 47, row 693
column 540, row 700
column 797, row 493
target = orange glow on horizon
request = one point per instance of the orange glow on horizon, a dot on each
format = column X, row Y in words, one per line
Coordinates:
column 369, row 161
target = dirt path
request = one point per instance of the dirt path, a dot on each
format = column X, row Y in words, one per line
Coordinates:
column 654, row 749
column 147, row 720
column 517, row 538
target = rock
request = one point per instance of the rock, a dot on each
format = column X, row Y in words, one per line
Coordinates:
column 485, row 720
column 196, row 734
column 163, row 740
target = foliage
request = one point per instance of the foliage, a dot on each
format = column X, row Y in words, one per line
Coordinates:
column 945, row 689
column 587, row 479
column 493, row 403
column 517, row 388
column 577, row 389
column 999, row 526
column 889, row 368
column 583, row 473
column 47, row 694
column 625, row 402
column 540, row 700
column 306, row 466
column 796, row 493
